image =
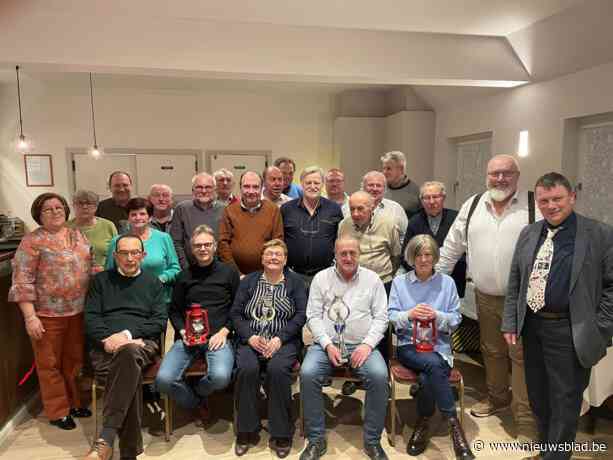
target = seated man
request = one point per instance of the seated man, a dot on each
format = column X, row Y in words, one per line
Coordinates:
column 360, row 293
column 125, row 314
column 212, row 284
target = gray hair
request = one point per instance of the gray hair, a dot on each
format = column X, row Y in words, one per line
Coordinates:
column 417, row 244
column 223, row 172
column 312, row 170
column 205, row 175
column 203, row 229
column 395, row 155
column 85, row 196
column 154, row 186
column 432, row 183
column 374, row 173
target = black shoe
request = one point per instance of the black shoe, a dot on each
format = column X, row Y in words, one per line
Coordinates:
column 80, row 412
column 244, row 441
column 349, row 388
column 375, row 452
column 314, row 450
column 65, row 423
column 458, row 438
column 419, row 439
column 281, row 446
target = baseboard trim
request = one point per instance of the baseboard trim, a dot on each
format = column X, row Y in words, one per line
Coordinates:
column 20, row 416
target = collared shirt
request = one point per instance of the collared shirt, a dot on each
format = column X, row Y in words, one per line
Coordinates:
column 162, row 226
column 187, row 216
column 293, row 191
column 435, row 222
column 310, row 238
column 440, row 293
column 557, row 288
column 491, row 241
column 390, row 208
column 365, row 297
column 283, row 198
column 380, row 244
column 253, row 210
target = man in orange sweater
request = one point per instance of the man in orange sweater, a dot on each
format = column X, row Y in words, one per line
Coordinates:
column 245, row 226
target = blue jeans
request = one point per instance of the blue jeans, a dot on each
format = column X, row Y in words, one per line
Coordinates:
column 433, row 378
column 170, row 379
column 373, row 373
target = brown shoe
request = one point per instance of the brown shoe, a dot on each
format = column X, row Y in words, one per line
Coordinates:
column 486, row 408
column 419, row 439
column 281, row 446
column 458, row 438
column 100, row 451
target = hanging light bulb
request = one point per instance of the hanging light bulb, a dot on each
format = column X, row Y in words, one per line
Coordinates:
column 95, row 152
column 23, row 145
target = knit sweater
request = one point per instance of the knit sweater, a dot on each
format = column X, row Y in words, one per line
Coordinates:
column 242, row 233
column 115, row 303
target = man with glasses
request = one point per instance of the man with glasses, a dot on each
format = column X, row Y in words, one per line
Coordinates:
column 335, row 187
column 125, row 314
column 310, row 225
column 488, row 237
column 435, row 219
column 114, row 208
column 160, row 196
column 201, row 209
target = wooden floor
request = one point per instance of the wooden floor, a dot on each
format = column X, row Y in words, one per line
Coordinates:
column 37, row 440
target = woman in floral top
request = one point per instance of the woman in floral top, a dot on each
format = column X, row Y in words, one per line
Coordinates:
column 51, row 272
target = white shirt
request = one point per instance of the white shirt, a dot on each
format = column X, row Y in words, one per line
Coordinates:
column 283, row 198
column 491, row 241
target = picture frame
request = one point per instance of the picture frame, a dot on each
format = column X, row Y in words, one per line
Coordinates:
column 39, row 170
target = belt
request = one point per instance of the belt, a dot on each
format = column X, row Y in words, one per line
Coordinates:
column 550, row 315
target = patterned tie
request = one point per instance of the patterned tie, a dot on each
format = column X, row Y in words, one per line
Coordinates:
column 540, row 272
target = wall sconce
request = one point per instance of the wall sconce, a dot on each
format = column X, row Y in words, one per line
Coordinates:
column 23, row 145
column 95, row 152
column 523, row 146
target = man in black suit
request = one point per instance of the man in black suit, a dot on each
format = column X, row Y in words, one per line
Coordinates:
column 435, row 220
column 560, row 301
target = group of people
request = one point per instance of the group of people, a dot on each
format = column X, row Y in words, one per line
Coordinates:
column 279, row 257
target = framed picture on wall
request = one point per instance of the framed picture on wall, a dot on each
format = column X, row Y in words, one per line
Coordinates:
column 39, row 170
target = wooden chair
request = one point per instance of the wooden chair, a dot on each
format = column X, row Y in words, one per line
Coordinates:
column 405, row 376
column 149, row 375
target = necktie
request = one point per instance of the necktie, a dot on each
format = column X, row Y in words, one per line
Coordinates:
column 540, row 272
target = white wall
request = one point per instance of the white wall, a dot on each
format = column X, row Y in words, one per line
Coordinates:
column 541, row 108
column 57, row 116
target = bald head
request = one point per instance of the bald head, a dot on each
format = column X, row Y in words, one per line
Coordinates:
column 273, row 182
column 361, row 205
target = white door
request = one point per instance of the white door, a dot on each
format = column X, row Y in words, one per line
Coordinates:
column 173, row 170
column 472, row 166
column 237, row 162
column 93, row 174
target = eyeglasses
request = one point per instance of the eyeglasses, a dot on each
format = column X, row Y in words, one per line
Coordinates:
column 48, row 211
column 134, row 253
column 202, row 245
column 84, row 204
column 202, row 187
column 505, row 174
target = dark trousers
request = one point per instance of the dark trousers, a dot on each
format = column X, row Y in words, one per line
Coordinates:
column 433, row 378
column 278, row 385
column 121, row 373
column 384, row 344
column 555, row 378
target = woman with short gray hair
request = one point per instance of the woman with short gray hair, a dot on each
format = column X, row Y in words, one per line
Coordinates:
column 430, row 298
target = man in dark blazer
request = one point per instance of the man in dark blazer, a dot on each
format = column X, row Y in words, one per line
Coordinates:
column 560, row 301
column 435, row 220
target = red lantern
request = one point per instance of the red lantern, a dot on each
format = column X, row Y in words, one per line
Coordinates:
column 196, row 325
column 424, row 334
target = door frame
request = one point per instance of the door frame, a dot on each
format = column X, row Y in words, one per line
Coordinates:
column 267, row 154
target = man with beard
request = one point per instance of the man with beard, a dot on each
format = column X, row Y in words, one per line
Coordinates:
column 488, row 238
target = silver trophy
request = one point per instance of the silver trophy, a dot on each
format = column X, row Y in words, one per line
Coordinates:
column 266, row 314
column 338, row 314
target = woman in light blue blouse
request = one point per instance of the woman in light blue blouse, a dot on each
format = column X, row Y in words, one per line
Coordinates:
column 160, row 255
column 424, row 294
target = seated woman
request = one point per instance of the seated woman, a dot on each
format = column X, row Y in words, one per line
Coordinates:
column 160, row 255
column 51, row 272
column 268, row 314
column 213, row 285
column 98, row 231
column 424, row 295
